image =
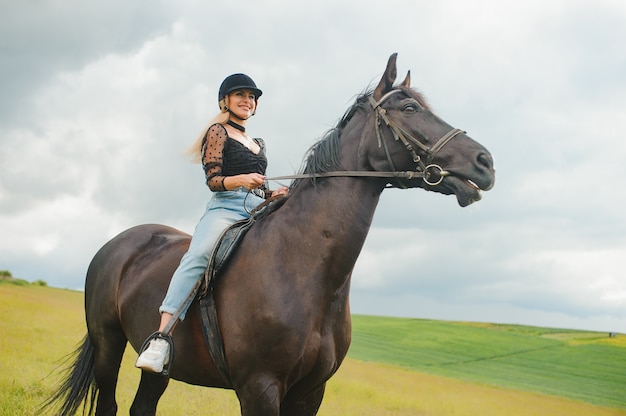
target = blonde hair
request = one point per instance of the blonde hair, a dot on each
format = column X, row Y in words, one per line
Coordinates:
column 195, row 150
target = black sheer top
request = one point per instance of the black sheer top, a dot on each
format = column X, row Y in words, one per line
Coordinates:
column 224, row 156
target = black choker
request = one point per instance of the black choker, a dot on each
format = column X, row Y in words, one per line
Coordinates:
column 237, row 126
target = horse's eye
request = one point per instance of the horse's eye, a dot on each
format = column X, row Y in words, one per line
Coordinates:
column 410, row 108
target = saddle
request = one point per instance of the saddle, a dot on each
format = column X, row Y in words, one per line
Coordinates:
column 222, row 252
column 227, row 242
column 225, row 246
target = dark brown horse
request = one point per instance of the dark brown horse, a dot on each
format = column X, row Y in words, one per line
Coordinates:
column 282, row 300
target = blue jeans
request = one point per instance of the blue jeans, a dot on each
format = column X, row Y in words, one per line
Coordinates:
column 224, row 209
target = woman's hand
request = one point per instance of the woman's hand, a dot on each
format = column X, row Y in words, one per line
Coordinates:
column 283, row 190
column 247, row 180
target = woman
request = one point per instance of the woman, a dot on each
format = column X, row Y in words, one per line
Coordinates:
column 234, row 165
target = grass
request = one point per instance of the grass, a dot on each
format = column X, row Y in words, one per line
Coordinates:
column 42, row 325
column 579, row 365
column 39, row 326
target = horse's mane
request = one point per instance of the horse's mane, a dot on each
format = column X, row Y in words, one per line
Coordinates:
column 324, row 155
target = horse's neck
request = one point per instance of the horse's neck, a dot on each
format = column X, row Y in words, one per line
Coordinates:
column 339, row 212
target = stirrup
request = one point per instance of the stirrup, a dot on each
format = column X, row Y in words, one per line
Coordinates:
column 168, row 339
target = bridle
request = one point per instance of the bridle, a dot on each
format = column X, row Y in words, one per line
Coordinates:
column 424, row 170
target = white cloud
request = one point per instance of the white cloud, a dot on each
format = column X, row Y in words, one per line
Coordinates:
column 95, row 117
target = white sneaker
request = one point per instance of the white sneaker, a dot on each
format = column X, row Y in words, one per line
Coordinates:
column 155, row 356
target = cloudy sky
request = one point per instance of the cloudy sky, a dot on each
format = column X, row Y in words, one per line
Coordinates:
column 99, row 100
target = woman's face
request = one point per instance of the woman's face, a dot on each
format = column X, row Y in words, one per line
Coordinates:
column 242, row 103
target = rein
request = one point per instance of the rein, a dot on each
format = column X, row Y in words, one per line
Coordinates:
column 424, row 170
column 357, row 173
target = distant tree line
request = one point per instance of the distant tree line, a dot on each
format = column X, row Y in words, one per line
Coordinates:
column 7, row 277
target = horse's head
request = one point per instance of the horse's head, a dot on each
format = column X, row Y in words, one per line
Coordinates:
column 410, row 138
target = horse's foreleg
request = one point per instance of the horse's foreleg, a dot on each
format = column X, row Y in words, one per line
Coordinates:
column 151, row 388
column 260, row 397
column 297, row 405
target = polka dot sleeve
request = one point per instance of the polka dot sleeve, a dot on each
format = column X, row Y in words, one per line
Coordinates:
column 213, row 157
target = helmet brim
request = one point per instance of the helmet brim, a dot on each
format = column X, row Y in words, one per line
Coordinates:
column 257, row 92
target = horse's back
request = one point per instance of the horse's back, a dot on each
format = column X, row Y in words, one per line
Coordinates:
column 129, row 276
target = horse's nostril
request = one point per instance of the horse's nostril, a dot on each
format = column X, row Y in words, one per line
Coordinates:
column 485, row 160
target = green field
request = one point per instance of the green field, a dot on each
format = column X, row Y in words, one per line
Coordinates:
column 395, row 366
column 580, row 365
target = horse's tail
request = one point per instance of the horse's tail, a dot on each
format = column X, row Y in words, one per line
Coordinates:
column 79, row 385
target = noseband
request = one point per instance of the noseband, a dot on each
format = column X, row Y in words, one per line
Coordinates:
column 425, row 170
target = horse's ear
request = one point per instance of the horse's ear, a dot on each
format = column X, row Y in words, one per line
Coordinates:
column 407, row 81
column 389, row 77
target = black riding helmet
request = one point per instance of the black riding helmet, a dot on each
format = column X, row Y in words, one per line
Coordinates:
column 237, row 82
